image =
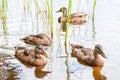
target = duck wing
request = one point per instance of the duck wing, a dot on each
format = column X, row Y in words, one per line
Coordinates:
column 81, row 14
column 86, row 55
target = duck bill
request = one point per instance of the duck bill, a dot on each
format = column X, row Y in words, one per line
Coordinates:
column 57, row 11
column 45, row 54
column 103, row 54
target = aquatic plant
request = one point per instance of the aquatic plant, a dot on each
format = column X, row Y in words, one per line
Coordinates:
column 50, row 15
column 94, row 6
column 3, row 13
column 68, row 20
column 93, row 16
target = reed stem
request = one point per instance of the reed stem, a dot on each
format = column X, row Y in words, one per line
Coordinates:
column 94, row 6
column 68, row 20
column 4, row 17
column 50, row 15
column 93, row 16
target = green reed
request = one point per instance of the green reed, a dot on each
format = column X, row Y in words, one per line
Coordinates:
column 3, row 11
column 94, row 6
column 36, row 3
column 93, row 15
column 50, row 15
column 68, row 20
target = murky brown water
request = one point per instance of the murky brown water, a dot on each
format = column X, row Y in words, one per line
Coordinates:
column 60, row 67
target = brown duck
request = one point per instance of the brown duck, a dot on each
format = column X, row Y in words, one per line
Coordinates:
column 88, row 56
column 39, row 39
column 33, row 56
column 76, row 18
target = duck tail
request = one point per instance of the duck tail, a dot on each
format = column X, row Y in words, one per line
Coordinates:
column 76, row 46
column 15, row 47
column 22, row 39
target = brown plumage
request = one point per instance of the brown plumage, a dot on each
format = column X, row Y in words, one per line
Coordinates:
column 39, row 39
column 33, row 56
column 75, row 18
column 89, row 56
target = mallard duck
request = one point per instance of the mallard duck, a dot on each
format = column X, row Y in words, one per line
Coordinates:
column 87, row 55
column 76, row 18
column 33, row 56
column 39, row 39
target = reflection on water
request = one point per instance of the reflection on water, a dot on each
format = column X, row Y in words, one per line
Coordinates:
column 39, row 73
column 23, row 18
column 93, row 28
column 67, row 70
column 97, row 73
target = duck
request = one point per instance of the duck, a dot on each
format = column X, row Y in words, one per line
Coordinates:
column 88, row 56
column 37, row 40
column 75, row 18
column 35, row 56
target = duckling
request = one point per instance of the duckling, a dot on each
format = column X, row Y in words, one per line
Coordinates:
column 33, row 56
column 39, row 39
column 89, row 56
column 75, row 19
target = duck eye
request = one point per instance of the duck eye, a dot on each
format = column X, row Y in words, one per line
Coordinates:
column 39, row 47
column 98, row 48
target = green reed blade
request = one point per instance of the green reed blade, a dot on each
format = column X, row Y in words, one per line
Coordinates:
column 36, row 3
column 2, row 6
column 94, row 6
column 93, row 15
column 50, row 12
column 4, row 16
column 68, row 20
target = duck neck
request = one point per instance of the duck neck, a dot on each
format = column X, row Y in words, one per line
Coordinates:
column 98, row 60
column 65, row 13
column 95, row 54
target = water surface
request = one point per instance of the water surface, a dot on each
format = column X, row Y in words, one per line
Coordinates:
column 106, row 31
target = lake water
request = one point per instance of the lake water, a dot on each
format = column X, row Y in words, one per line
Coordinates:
column 24, row 19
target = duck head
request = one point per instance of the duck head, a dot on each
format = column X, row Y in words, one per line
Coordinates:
column 99, row 50
column 39, row 50
column 63, row 10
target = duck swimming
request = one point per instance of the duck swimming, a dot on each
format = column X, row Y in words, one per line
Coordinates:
column 34, row 56
column 39, row 39
column 87, row 55
column 75, row 19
